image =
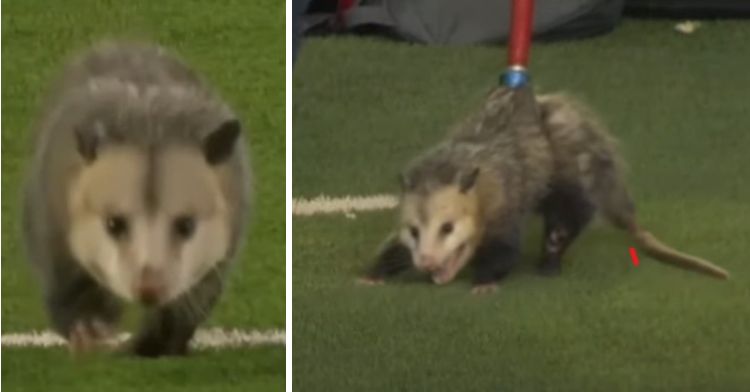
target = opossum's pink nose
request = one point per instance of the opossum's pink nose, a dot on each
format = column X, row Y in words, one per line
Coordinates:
column 150, row 286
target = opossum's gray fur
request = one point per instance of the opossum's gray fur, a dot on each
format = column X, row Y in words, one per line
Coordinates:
column 135, row 94
column 528, row 150
column 528, row 144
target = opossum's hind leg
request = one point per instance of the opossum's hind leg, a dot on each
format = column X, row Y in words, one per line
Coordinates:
column 83, row 312
column 566, row 212
column 167, row 331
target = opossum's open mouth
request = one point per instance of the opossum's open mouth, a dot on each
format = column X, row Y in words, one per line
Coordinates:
column 451, row 267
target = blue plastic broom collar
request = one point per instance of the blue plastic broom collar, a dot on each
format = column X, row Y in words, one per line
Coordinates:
column 515, row 77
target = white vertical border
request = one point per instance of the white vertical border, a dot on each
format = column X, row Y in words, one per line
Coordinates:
column 288, row 178
column 1, row 175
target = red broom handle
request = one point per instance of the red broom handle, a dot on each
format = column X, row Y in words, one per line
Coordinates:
column 520, row 35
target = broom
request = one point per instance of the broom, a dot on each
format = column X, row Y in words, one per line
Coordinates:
column 525, row 114
column 522, row 18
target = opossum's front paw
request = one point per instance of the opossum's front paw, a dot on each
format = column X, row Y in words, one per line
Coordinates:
column 485, row 288
column 368, row 281
column 89, row 335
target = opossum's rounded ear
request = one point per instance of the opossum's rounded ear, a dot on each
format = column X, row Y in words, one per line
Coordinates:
column 218, row 146
column 468, row 179
column 88, row 141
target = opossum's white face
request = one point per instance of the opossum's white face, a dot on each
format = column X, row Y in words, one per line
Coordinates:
column 442, row 229
column 148, row 227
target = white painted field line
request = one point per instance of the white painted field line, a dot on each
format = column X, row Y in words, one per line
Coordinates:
column 204, row 338
column 342, row 205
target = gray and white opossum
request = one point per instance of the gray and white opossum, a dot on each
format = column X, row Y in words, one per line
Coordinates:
column 465, row 200
column 138, row 192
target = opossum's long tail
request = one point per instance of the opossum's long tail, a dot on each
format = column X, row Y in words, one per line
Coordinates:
column 651, row 245
column 617, row 206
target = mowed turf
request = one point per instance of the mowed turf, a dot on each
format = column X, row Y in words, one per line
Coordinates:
column 679, row 105
column 239, row 47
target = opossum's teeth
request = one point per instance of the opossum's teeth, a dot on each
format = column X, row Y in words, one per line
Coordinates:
column 451, row 268
column 440, row 278
column 447, row 273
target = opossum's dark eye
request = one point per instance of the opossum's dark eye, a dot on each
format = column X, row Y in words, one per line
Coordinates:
column 184, row 226
column 117, row 226
column 414, row 232
column 446, row 228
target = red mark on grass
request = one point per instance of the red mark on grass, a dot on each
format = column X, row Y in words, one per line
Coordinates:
column 634, row 256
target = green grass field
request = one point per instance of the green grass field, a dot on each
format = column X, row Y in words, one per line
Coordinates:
column 679, row 104
column 239, row 47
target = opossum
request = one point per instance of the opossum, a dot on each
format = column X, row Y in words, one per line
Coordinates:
column 139, row 191
column 465, row 200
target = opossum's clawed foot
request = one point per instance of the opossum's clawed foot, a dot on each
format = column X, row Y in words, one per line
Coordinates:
column 550, row 267
column 483, row 289
column 369, row 281
column 88, row 336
